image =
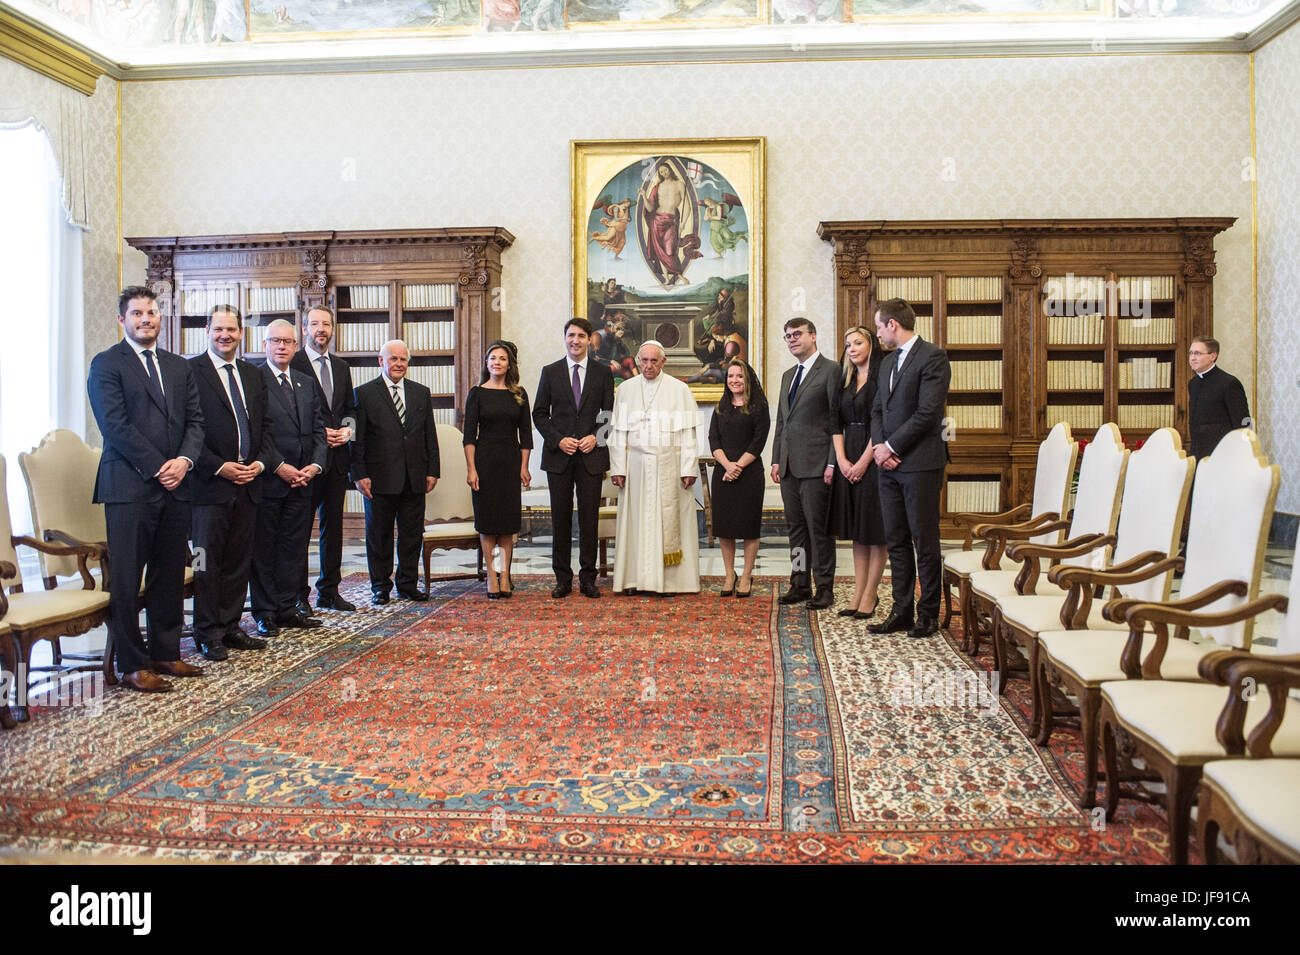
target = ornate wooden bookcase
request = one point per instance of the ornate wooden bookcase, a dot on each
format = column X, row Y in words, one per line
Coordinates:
column 437, row 289
column 1081, row 320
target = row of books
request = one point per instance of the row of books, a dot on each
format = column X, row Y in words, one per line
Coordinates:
column 429, row 336
column 975, row 416
column 978, row 496
column 973, row 330
column 368, row 296
column 925, row 327
column 974, row 288
column 1145, row 331
column 194, row 341
column 1145, row 287
column 1145, row 373
column 440, row 379
column 976, row 375
column 1076, row 416
column 428, row 296
column 1145, row 417
column 202, row 299
column 264, row 299
column 1075, row 374
column 361, row 336
column 911, row 288
column 1076, row 329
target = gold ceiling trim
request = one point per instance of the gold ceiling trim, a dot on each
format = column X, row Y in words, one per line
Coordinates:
column 37, row 49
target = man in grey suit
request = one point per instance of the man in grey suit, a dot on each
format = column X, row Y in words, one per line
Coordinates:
column 803, row 463
column 907, row 431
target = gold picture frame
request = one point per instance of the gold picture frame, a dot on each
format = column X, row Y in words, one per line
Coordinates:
column 669, row 242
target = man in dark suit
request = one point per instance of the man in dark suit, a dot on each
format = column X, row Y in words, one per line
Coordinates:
column 333, row 382
column 803, row 463
column 394, row 465
column 146, row 403
column 284, row 519
column 575, row 397
column 907, row 430
column 1216, row 401
column 237, row 449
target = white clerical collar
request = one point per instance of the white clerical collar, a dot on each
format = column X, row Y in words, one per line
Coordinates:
column 1202, row 374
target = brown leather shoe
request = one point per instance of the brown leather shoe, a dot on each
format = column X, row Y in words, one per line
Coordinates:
column 176, row 668
column 146, row 681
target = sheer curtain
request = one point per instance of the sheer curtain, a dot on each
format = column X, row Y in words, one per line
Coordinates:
column 42, row 350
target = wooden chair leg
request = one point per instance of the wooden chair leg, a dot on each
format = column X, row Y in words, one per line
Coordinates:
column 1042, row 688
column 970, row 638
column 1110, row 751
column 1001, row 650
column 8, row 656
column 947, row 603
column 1207, row 828
column 1180, row 790
column 1035, row 705
column 1089, row 701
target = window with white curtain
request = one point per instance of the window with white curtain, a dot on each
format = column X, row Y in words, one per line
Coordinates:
column 42, row 353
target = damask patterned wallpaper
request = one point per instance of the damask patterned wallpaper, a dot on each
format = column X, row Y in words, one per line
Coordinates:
column 1277, row 133
column 888, row 139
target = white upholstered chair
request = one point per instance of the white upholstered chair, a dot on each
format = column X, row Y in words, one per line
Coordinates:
column 1087, row 544
column 1150, row 724
column 46, row 614
column 1057, row 455
column 449, row 507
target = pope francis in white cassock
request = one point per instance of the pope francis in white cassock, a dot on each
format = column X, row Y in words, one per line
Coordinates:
column 652, row 458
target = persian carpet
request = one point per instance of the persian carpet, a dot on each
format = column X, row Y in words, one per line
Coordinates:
column 633, row 729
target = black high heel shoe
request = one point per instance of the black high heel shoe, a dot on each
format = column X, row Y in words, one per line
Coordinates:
column 730, row 590
column 504, row 593
column 746, row 593
column 866, row 614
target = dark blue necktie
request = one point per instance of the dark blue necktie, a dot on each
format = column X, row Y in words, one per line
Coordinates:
column 153, row 375
column 794, row 388
column 241, row 416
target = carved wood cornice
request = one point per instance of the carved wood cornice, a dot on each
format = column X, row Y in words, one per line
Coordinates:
column 1198, row 255
column 1024, row 259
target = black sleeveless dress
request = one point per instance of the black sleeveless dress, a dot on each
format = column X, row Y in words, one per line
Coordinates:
column 498, row 427
column 854, row 513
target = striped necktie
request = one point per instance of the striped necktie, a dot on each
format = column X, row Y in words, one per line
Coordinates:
column 397, row 401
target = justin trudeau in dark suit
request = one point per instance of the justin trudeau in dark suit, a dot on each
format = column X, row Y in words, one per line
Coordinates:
column 908, row 433
column 394, row 465
column 233, row 463
column 333, row 380
column 284, row 518
column 575, row 399
column 146, row 404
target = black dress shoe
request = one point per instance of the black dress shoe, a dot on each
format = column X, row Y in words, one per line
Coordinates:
column 296, row 621
column 823, row 599
column 412, row 594
column 562, row 590
column 795, row 595
column 334, row 602
column 379, row 598
column 303, row 607
column 215, row 651
column 242, row 641
column 925, row 627
column 267, row 627
column 894, row 623
column 588, row 590
column 848, row 613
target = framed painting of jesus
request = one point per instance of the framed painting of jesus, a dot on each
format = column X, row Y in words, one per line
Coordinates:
column 668, row 245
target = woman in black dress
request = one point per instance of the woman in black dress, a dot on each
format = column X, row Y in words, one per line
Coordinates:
column 854, row 512
column 498, row 440
column 737, row 433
